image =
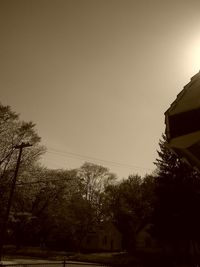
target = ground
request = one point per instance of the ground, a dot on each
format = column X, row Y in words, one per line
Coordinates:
column 46, row 263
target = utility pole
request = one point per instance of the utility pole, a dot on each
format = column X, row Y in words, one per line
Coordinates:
column 5, row 221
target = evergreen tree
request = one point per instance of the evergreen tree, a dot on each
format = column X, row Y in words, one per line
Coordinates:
column 176, row 214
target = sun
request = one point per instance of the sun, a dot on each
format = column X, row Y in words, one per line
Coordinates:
column 193, row 56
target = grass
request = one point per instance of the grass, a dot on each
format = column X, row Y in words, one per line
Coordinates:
column 34, row 252
column 111, row 259
column 114, row 259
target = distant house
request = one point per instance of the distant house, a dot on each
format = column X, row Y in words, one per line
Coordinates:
column 105, row 238
column 145, row 241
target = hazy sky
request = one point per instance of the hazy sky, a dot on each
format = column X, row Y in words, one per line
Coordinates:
column 96, row 76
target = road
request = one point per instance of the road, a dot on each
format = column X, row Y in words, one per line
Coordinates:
column 45, row 263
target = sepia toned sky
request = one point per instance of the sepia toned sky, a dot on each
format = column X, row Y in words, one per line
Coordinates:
column 96, row 76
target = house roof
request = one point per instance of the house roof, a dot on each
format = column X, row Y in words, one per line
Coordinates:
column 183, row 123
column 188, row 98
column 183, row 115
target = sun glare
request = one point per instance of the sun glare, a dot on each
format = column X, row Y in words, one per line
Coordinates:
column 194, row 57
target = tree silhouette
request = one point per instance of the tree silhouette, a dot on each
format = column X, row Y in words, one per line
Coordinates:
column 176, row 214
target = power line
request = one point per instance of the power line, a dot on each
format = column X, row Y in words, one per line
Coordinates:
column 73, row 155
column 84, row 157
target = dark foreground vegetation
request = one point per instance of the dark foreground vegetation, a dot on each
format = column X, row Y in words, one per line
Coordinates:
column 62, row 210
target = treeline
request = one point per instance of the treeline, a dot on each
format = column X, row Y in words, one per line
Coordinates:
column 57, row 208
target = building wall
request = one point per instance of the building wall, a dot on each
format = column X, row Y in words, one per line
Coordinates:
column 107, row 238
column 144, row 240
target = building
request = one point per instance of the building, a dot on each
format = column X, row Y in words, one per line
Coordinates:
column 145, row 242
column 105, row 238
column 183, row 123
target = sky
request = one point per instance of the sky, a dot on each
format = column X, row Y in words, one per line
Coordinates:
column 96, row 76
